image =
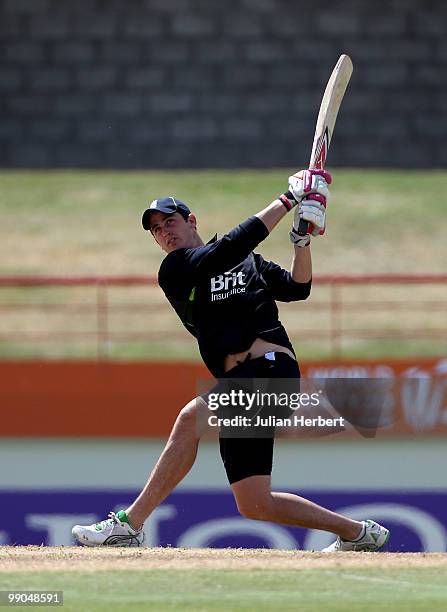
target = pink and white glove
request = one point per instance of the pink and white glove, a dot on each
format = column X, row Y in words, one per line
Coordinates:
column 309, row 189
column 304, row 182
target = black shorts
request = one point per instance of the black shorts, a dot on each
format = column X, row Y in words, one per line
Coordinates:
column 253, row 456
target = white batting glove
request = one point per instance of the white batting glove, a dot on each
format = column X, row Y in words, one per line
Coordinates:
column 310, row 187
column 305, row 182
column 312, row 210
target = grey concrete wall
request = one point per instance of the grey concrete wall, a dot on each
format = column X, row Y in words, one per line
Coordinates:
column 200, row 83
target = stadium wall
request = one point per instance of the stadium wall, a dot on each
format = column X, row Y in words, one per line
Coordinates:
column 75, row 443
column 192, row 83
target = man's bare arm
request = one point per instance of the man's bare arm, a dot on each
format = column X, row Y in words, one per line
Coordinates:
column 301, row 270
column 272, row 214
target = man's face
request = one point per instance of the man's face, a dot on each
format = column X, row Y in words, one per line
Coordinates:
column 173, row 231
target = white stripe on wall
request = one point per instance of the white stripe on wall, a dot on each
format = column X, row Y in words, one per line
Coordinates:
column 125, row 464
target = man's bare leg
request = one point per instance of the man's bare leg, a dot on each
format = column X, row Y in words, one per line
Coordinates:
column 255, row 500
column 174, row 463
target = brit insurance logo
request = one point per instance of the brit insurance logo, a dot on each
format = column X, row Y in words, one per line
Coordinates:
column 224, row 285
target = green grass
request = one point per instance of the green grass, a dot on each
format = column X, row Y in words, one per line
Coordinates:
column 88, row 223
column 358, row 589
column 75, row 222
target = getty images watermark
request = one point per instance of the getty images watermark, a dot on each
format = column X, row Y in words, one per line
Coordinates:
column 258, row 409
column 314, row 407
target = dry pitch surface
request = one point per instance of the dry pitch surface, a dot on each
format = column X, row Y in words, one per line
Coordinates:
column 37, row 558
column 100, row 580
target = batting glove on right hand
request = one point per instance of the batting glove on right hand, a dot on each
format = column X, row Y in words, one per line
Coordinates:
column 312, row 206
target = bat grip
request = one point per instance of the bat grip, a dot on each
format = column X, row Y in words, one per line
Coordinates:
column 303, row 227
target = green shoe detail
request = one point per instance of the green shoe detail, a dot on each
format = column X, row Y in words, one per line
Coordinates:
column 122, row 516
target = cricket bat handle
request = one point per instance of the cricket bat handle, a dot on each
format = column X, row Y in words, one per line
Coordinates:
column 305, row 227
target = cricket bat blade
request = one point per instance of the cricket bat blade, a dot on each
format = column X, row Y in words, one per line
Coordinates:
column 327, row 116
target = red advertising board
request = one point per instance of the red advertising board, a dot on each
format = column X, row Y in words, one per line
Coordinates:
column 91, row 399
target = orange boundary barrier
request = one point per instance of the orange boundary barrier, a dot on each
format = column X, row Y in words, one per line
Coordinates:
column 97, row 399
column 94, row 398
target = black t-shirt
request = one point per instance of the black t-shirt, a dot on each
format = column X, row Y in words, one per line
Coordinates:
column 225, row 294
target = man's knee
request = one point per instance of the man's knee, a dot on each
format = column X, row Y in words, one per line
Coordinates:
column 191, row 416
column 188, row 412
column 258, row 509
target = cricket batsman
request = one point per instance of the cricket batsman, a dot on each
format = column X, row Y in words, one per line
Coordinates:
column 225, row 296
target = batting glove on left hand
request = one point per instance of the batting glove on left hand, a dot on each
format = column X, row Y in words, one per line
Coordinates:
column 305, row 182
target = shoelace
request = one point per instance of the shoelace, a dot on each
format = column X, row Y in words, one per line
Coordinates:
column 108, row 522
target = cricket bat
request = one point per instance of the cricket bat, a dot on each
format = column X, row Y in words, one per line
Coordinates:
column 327, row 116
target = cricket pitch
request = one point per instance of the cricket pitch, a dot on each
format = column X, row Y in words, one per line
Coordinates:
column 39, row 558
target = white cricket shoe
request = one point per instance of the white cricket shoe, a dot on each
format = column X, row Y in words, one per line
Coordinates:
column 372, row 538
column 113, row 531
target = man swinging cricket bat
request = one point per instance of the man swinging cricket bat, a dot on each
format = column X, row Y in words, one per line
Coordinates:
column 225, row 296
